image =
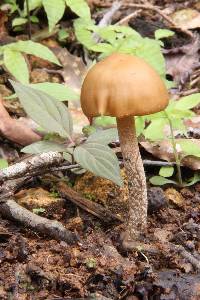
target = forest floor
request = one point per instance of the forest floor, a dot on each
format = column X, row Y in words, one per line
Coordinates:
column 36, row 267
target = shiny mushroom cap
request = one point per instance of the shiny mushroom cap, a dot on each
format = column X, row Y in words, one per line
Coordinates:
column 123, row 85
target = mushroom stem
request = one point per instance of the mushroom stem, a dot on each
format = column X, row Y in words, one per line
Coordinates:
column 137, row 218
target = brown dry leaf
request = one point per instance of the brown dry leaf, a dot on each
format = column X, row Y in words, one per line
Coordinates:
column 175, row 197
column 164, row 150
column 182, row 61
column 186, row 18
column 74, row 68
column 15, row 130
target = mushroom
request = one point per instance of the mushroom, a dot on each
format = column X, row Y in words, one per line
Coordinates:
column 124, row 86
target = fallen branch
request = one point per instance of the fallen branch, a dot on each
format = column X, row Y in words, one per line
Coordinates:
column 26, row 168
column 94, row 208
column 54, row 229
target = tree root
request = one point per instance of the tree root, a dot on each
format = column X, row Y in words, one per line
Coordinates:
column 53, row 229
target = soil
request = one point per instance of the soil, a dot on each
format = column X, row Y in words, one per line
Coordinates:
column 35, row 267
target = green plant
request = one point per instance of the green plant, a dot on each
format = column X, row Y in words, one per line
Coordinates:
column 174, row 116
column 14, row 61
column 54, row 10
column 123, row 39
column 92, row 154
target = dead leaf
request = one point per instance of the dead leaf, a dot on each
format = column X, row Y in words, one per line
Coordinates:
column 74, row 68
column 174, row 196
column 186, row 18
column 164, row 150
column 180, row 62
column 14, row 130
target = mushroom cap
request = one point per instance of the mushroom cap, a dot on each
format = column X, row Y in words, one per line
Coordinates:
column 123, row 85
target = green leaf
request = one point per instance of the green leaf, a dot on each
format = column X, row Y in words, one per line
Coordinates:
column 188, row 102
column 192, row 180
column 38, row 211
column 140, row 125
column 83, row 33
column 150, row 51
column 50, row 114
column 54, row 10
column 34, row 19
column 80, row 8
column 3, row 163
column 59, row 91
column 33, row 4
column 102, row 47
column 163, row 33
column 189, row 147
column 155, row 131
column 104, row 121
column 44, row 146
column 33, row 48
column 19, row 21
column 16, row 65
column 63, row 34
column 98, row 159
column 159, row 180
column 104, row 136
column 166, row 171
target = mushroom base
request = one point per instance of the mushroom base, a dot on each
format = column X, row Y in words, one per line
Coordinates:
column 137, row 215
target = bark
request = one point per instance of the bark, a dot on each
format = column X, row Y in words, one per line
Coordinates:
column 137, row 215
column 53, row 229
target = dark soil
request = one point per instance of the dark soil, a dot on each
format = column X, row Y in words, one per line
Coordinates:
column 34, row 267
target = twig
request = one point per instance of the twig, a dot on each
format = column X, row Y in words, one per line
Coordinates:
column 107, row 18
column 54, row 229
column 127, row 18
column 94, row 208
column 158, row 163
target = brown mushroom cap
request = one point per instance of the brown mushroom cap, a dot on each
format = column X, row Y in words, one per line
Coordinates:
column 123, row 85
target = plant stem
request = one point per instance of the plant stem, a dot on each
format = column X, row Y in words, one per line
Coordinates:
column 173, row 142
column 29, row 19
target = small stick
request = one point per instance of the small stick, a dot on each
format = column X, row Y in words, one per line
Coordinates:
column 127, row 18
column 94, row 208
